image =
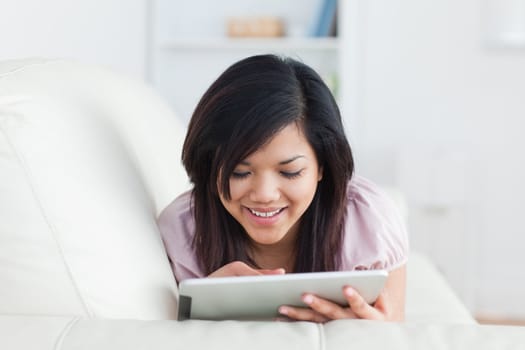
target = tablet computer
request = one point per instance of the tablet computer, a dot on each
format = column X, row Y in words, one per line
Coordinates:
column 259, row 297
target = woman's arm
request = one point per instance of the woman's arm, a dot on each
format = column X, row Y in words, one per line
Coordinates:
column 389, row 306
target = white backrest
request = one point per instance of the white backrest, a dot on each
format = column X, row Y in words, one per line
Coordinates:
column 87, row 160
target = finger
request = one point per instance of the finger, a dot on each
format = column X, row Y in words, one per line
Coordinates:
column 302, row 314
column 236, row 268
column 240, row 268
column 283, row 319
column 279, row 271
column 359, row 306
column 327, row 308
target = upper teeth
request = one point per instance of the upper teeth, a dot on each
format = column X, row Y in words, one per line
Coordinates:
column 266, row 213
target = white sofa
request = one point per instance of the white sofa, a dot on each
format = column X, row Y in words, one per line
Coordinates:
column 87, row 161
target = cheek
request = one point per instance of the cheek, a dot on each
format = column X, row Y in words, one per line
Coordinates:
column 303, row 191
column 237, row 189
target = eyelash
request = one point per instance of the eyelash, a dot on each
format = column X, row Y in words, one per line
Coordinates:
column 283, row 173
column 240, row 175
column 292, row 175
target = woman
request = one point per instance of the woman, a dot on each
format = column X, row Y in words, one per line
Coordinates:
column 274, row 191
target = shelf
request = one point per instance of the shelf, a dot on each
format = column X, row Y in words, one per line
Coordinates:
column 329, row 43
column 191, row 46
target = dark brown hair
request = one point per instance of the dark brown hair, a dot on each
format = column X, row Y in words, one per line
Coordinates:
column 241, row 111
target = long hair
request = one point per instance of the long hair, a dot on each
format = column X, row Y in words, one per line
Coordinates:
column 241, row 111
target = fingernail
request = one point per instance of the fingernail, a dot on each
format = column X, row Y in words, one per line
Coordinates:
column 308, row 299
column 349, row 292
column 283, row 310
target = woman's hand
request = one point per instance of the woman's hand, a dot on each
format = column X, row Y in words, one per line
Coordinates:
column 389, row 306
column 238, row 268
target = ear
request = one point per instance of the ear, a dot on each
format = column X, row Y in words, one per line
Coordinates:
column 320, row 175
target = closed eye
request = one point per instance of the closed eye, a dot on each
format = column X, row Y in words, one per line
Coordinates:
column 291, row 175
column 240, row 175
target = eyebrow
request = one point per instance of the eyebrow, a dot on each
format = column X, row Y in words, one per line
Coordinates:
column 283, row 162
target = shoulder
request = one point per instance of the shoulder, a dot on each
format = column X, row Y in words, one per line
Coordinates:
column 365, row 195
column 178, row 212
column 177, row 228
column 375, row 235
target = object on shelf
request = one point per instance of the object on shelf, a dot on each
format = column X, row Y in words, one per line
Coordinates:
column 326, row 24
column 241, row 27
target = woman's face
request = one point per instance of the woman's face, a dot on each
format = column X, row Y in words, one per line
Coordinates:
column 273, row 187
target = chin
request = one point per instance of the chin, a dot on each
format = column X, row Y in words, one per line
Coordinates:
column 265, row 240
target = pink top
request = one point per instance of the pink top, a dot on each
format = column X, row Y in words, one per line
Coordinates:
column 375, row 235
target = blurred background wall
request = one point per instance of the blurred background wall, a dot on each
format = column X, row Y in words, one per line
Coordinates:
column 442, row 115
column 112, row 33
column 434, row 104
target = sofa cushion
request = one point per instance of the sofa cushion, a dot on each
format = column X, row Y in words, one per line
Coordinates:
column 429, row 298
column 87, row 160
column 62, row 333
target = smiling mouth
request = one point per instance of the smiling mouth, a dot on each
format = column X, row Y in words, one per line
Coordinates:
column 265, row 214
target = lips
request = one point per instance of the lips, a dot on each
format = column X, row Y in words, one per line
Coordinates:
column 264, row 216
column 265, row 213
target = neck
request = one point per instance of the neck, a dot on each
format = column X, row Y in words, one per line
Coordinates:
column 268, row 258
column 279, row 255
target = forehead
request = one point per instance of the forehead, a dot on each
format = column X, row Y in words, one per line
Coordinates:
column 288, row 142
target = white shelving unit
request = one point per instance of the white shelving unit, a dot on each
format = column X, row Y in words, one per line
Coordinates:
column 189, row 47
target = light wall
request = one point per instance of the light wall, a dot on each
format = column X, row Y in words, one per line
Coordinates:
column 442, row 115
column 111, row 33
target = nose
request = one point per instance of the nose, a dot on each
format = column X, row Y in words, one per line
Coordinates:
column 265, row 189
